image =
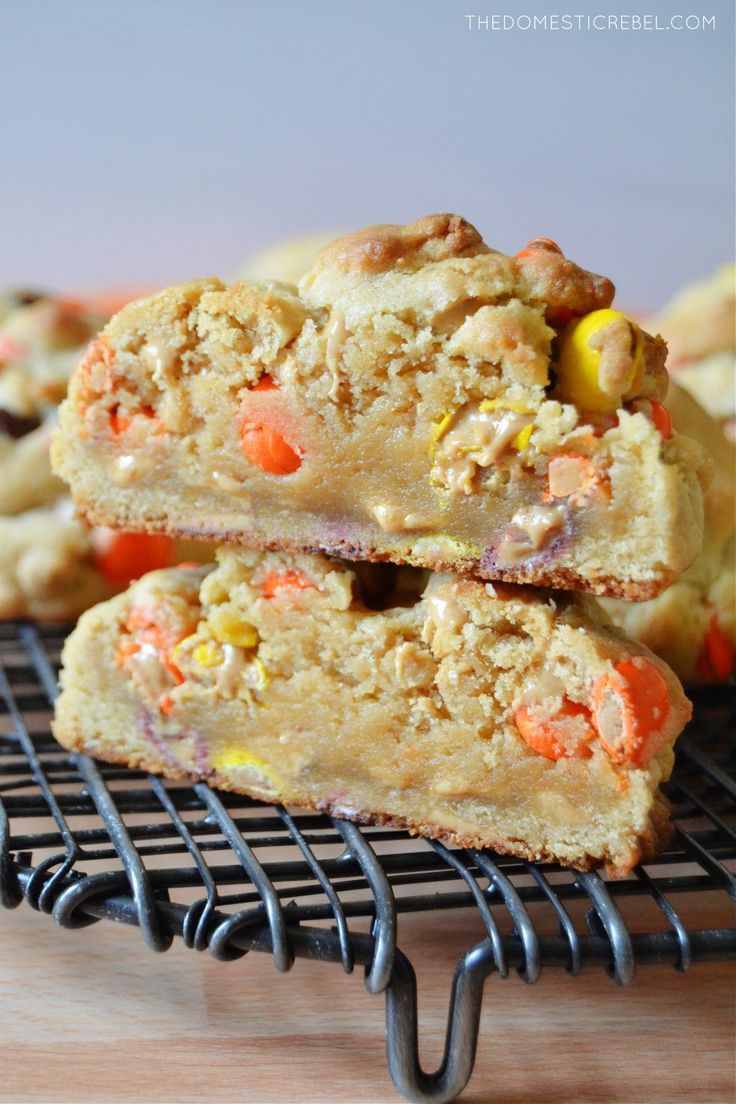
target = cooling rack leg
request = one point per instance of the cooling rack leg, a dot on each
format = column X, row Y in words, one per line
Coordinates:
column 462, row 1029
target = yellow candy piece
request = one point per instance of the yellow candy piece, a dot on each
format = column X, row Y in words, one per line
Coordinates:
column 238, row 759
column 228, row 627
column 263, row 675
column 578, row 365
column 521, row 440
column 439, row 430
column 183, row 646
column 208, row 654
column 442, row 546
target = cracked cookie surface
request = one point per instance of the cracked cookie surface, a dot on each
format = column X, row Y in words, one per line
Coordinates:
column 416, row 400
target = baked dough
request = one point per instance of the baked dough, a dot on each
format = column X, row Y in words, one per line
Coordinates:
column 423, row 399
column 493, row 716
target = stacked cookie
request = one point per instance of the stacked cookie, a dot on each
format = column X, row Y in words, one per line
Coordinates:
column 692, row 624
column 422, row 427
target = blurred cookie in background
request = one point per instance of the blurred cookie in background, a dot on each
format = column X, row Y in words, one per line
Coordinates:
column 692, row 624
column 11, row 298
column 47, row 572
column 52, row 567
column 42, row 338
column 699, row 326
column 287, row 260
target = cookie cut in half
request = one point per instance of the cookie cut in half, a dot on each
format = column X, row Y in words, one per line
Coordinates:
column 498, row 717
column 422, row 399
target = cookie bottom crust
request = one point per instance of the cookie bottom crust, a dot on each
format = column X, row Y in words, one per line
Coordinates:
column 643, row 848
column 295, row 542
column 340, row 723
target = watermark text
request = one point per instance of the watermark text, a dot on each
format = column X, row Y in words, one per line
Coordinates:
column 623, row 21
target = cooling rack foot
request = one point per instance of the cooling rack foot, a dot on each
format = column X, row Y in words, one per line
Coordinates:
column 461, row 1038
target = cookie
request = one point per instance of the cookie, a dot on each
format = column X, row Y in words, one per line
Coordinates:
column 26, row 479
column 287, row 260
column 699, row 325
column 692, row 625
column 47, row 568
column 52, row 567
column 42, row 338
column 498, row 717
column 423, row 399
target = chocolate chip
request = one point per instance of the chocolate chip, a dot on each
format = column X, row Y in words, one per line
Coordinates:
column 13, row 425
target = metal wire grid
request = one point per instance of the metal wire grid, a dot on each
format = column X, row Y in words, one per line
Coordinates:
column 85, row 842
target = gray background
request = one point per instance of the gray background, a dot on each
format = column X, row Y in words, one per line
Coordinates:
column 154, row 140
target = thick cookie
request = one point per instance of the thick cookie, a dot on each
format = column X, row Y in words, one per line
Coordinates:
column 424, row 399
column 699, row 325
column 496, row 717
column 692, row 625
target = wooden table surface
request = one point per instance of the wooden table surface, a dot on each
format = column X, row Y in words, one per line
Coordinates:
column 92, row 1015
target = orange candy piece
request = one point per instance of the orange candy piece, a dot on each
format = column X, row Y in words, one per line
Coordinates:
column 536, row 244
column 266, row 448
column 270, row 584
column 572, row 476
column 265, row 383
column 11, row 350
column 631, row 706
column 658, row 414
column 166, row 704
column 120, row 420
column 716, row 659
column 98, row 352
column 662, row 420
column 126, row 650
column 566, row 735
column 119, row 423
column 262, row 443
column 130, row 555
column 171, row 667
column 143, row 623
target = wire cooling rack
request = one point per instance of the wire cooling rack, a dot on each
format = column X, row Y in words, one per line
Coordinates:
column 86, row 842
